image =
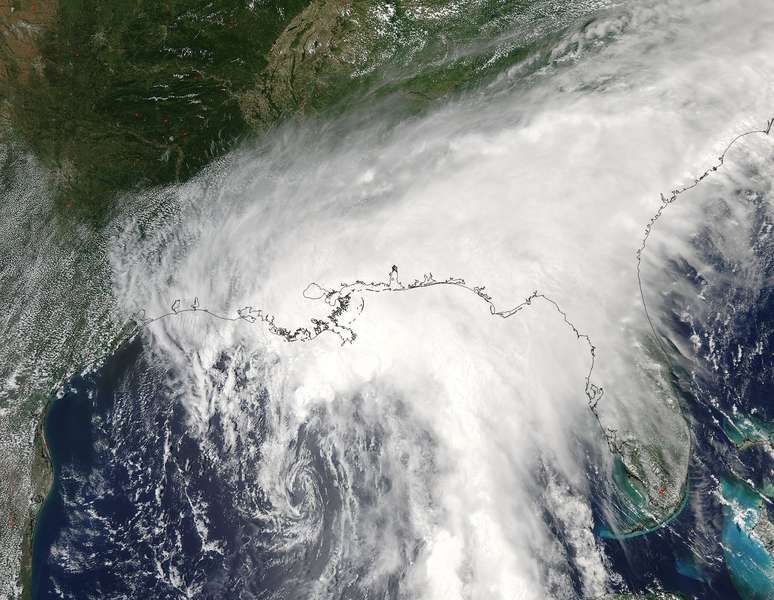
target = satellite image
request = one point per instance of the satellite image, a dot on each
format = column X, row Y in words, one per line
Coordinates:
column 387, row 299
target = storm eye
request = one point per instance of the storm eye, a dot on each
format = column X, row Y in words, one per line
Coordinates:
column 386, row 300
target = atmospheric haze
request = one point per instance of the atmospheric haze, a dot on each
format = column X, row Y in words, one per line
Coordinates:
column 449, row 445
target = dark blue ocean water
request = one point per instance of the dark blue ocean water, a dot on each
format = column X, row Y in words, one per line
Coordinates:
column 119, row 521
column 707, row 550
column 142, row 508
column 145, row 505
column 127, row 510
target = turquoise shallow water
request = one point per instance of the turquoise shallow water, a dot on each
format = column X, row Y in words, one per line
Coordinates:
column 708, row 549
column 750, row 565
column 160, row 530
column 634, row 508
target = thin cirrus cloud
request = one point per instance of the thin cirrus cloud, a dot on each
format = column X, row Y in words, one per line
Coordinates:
column 478, row 424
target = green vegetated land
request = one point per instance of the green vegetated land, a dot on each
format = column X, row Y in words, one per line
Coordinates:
column 114, row 96
column 139, row 92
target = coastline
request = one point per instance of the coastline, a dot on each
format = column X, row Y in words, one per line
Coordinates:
column 41, row 483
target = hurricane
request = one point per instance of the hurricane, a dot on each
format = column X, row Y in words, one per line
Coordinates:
column 512, row 344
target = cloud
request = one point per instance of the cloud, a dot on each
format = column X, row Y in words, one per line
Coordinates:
column 436, row 422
